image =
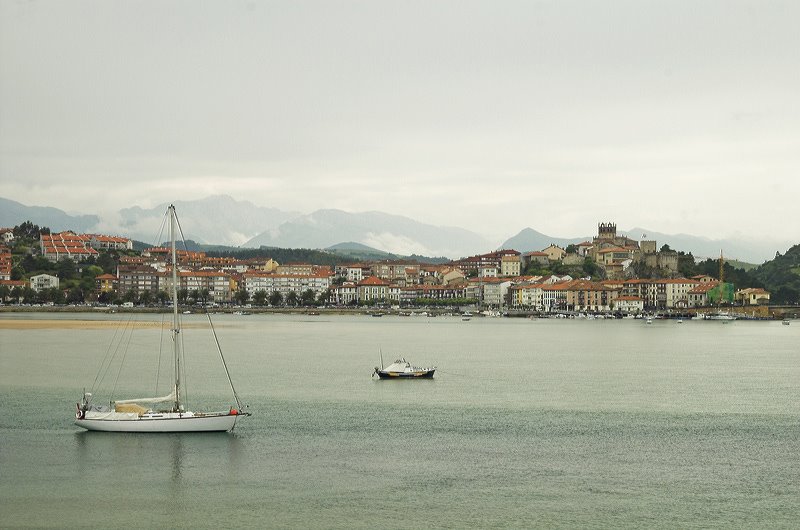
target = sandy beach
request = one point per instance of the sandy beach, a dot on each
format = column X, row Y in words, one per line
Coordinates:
column 74, row 324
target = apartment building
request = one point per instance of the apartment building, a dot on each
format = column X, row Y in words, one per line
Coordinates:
column 583, row 295
column 105, row 283
column 285, row 283
column 344, row 294
column 137, row 278
column 374, row 289
column 101, row 242
column 66, row 245
column 41, row 282
column 218, row 284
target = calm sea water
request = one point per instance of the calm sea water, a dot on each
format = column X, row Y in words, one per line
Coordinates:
column 542, row 423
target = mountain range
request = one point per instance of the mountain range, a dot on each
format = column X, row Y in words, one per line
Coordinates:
column 222, row 220
column 378, row 230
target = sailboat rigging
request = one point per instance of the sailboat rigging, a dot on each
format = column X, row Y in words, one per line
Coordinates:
column 132, row 415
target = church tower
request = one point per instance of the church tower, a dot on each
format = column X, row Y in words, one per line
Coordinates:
column 607, row 231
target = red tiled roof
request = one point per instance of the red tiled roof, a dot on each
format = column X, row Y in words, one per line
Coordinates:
column 612, row 249
column 373, row 280
column 702, row 288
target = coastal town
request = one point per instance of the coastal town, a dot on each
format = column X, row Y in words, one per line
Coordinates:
column 495, row 281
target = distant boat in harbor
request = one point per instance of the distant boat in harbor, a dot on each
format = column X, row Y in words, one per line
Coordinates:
column 720, row 315
column 402, row 369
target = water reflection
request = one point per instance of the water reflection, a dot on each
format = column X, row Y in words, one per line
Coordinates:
column 177, row 459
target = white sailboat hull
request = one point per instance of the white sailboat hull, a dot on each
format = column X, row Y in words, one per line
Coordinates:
column 169, row 422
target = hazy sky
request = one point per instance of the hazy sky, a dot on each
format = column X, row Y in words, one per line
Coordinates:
column 678, row 116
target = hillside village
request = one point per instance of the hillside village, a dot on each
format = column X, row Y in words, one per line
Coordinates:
column 500, row 280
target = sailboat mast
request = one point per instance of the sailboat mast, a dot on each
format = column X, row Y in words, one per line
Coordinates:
column 175, row 329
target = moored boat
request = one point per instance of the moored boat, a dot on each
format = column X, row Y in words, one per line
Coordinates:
column 144, row 414
column 402, row 369
column 720, row 315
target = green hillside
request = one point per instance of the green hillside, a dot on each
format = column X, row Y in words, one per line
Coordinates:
column 781, row 277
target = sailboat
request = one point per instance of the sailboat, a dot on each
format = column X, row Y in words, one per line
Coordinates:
column 139, row 414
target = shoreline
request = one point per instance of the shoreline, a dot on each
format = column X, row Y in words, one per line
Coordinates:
column 756, row 313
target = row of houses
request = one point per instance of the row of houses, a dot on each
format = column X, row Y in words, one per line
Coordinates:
column 628, row 296
column 549, row 293
column 79, row 247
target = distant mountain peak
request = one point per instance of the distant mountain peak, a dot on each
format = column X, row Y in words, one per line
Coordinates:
column 529, row 240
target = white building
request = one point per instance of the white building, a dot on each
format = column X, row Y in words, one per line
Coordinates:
column 344, row 294
column 110, row 242
column 554, row 296
column 629, row 304
column 487, row 272
column 285, row 283
column 43, row 281
column 355, row 273
column 373, row 288
column 218, row 284
column 529, row 296
column 677, row 291
column 494, row 293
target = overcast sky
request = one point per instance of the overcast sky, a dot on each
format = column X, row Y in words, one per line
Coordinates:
column 677, row 116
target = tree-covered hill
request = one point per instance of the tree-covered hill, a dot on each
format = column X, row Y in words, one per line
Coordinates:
column 781, row 276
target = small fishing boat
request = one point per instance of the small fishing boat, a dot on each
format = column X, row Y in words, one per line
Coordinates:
column 785, row 322
column 402, row 369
